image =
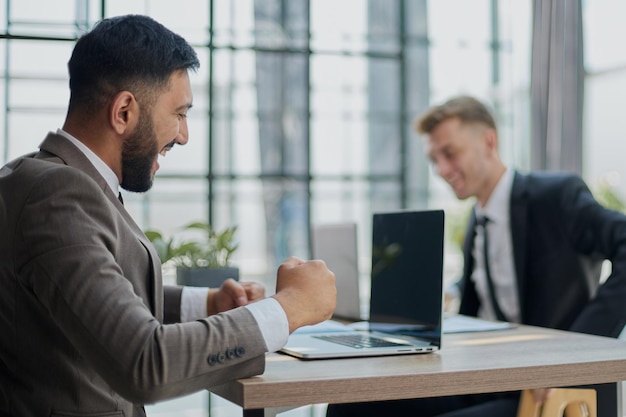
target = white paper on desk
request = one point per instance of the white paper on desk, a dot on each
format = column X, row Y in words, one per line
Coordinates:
column 451, row 324
column 462, row 324
column 327, row 326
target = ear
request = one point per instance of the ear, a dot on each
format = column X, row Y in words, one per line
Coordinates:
column 491, row 139
column 124, row 112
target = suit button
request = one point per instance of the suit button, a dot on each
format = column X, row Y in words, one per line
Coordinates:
column 240, row 351
column 230, row 353
column 212, row 359
column 221, row 357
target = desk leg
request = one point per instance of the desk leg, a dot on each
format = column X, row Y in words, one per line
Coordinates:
column 267, row 412
column 254, row 413
column 609, row 399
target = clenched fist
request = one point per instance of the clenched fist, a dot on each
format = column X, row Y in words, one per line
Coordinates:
column 306, row 291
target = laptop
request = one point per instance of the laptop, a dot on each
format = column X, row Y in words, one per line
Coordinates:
column 406, row 293
column 336, row 244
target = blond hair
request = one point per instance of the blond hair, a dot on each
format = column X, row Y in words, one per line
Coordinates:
column 466, row 109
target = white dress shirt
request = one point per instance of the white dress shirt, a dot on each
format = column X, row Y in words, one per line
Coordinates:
column 501, row 261
column 268, row 313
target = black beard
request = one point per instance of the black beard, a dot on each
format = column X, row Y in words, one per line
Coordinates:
column 138, row 154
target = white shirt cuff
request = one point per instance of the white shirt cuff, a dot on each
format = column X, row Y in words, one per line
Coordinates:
column 193, row 303
column 272, row 321
column 268, row 314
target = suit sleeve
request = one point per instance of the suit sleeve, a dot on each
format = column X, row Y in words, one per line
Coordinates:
column 71, row 232
column 172, row 296
column 600, row 233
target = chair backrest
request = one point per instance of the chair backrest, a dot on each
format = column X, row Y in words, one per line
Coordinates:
column 564, row 402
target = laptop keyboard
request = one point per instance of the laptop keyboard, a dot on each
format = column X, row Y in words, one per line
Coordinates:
column 359, row 341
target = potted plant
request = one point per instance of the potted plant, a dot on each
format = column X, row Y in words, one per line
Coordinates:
column 199, row 262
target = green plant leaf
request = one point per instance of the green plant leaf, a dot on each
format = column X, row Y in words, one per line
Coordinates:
column 214, row 250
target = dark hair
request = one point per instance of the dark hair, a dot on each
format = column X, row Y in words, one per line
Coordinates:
column 465, row 108
column 133, row 53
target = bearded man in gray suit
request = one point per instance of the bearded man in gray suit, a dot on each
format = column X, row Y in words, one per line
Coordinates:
column 87, row 327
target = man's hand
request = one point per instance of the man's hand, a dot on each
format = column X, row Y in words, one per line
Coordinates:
column 306, row 291
column 233, row 294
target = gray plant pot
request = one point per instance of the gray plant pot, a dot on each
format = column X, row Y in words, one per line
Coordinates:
column 205, row 277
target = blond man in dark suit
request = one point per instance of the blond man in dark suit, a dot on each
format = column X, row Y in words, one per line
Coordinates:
column 547, row 238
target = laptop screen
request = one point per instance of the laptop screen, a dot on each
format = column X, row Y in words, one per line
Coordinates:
column 407, row 273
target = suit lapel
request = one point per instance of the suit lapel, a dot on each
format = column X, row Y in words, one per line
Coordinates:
column 72, row 156
column 519, row 232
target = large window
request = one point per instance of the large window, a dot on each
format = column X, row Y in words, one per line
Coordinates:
column 303, row 109
column 605, row 66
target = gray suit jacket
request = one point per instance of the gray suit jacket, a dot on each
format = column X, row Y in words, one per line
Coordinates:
column 82, row 303
column 560, row 237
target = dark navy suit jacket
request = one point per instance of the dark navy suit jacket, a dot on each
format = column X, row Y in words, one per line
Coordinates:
column 561, row 235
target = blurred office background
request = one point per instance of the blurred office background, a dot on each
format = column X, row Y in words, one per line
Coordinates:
column 303, row 109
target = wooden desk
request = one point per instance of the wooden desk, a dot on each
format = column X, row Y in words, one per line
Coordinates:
column 507, row 360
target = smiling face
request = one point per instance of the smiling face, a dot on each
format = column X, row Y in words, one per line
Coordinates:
column 465, row 156
column 156, row 132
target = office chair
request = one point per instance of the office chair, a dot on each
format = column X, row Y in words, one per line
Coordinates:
column 564, row 402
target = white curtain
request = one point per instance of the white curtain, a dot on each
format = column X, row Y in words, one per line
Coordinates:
column 557, row 86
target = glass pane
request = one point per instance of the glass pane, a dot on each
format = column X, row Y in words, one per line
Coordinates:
column 356, row 116
column 384, row 88
column 272, row 219
column 468, row 25
column 339, row 25
column 63, row 18
column 241, row 203
column 336, row 201
column 386, row 150
column 383, row 26
column 281, row 24
column 460, row 54
column 170, row 204
column 604, row 115
column 386, row 196
column 339, row 85
column 513, row 101
column 29, row 94
column 235, row 123
column 233, row 23
column 604, row 34
column 272, row 139
column 459, row 70
column 339, row 146
column 605, row 61
column 27, row 56
column 3, row 15
column 188, row 18
column 385, row 122
column 339, row 105
column 264, row 24
column 28, row 130
column 191, row 158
